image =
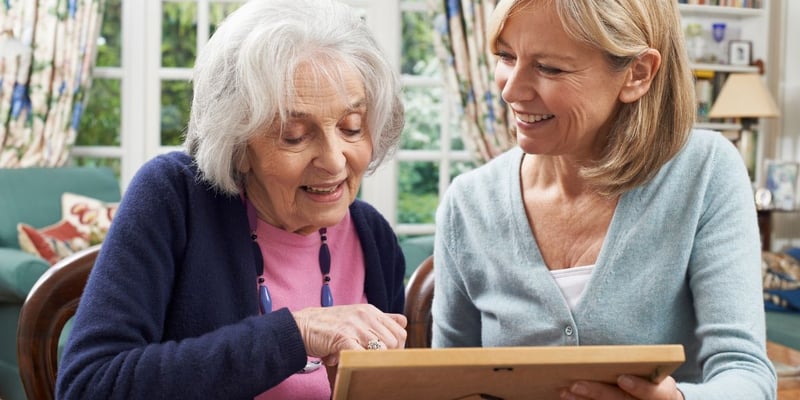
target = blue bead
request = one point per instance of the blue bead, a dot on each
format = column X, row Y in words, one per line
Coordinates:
column 324, row 259
column 265, row 299
column 327, row 296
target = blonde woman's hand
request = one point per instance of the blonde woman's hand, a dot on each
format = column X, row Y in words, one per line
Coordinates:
column 328, row 330
column 627, row 388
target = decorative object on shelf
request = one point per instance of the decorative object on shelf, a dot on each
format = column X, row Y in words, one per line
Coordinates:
column 718, row 34
column 782, row 183
column 746, row 98
column 763, row 198
column 740, row 52
column 695, row 42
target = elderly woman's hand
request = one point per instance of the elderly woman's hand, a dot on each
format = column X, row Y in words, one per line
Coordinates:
column 328, row 330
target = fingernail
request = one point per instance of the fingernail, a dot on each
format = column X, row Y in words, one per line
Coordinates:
column 579, row 389
column 625, row 382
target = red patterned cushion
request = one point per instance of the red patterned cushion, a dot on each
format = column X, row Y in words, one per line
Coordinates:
column 90, row 216
column 53, row 242
column 84, row 222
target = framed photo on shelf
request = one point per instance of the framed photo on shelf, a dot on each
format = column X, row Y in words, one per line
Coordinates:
column 740, row 52
column 782, row 183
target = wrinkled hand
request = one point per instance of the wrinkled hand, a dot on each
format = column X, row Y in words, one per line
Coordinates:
column 627, row 388
column 328, row 330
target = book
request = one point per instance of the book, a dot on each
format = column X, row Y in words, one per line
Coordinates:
column 506, row 373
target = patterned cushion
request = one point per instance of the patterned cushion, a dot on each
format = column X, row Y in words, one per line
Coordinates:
column 53, row 242
column 781, row 281
column 92, row 217
column 84, row 222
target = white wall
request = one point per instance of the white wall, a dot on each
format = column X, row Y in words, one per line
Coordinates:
column 786, row 146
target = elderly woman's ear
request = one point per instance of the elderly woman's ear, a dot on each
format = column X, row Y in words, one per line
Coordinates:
column 640, row 75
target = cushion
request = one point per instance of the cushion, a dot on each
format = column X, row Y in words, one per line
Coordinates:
column 84, row 222
column 781, row 280
column 90, row 216
column 53, row 242
column 33, row 195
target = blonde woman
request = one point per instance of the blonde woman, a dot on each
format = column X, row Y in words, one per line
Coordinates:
column 612, row 221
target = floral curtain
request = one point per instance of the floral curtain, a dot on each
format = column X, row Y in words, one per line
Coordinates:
column 461, row 46
column 47, row 53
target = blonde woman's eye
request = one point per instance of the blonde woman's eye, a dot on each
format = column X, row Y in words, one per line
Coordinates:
column 505, row 57
column 548, row 70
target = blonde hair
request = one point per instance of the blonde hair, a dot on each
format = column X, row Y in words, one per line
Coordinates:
column 648, row 132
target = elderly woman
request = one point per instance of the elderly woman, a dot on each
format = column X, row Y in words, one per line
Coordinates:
column 623, row 226
column 235, row 271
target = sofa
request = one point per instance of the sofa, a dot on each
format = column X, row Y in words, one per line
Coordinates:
column 33, row 196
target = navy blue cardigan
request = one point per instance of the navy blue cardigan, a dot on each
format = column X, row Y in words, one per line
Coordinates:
column 169, row 310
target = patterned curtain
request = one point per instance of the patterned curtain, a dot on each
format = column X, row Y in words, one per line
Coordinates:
column 461, row 46
column 47, row 53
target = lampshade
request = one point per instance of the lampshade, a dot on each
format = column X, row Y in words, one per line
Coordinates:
column 744, row 96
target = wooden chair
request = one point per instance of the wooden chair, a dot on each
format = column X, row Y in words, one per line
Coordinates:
column 51, row 302
column 419, row 297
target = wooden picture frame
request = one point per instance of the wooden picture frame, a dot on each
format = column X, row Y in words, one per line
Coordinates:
column 509, row 373
column 740, row 52
column 782, row 183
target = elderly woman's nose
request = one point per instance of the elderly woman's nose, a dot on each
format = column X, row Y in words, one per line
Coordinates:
column 330, row 153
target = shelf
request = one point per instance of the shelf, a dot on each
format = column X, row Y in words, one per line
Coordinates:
column 719, row 11
column 725, row 67
column 718, row 126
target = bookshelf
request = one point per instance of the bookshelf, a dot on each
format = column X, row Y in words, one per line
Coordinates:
column 744, row 20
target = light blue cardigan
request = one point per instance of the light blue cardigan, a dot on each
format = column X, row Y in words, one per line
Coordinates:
column 680, row 264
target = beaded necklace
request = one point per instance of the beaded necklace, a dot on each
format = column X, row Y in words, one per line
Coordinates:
column 265, row 300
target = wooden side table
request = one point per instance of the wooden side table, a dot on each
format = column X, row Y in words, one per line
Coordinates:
column 765, row 228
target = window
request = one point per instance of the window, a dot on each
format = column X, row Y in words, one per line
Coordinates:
column 141, row 95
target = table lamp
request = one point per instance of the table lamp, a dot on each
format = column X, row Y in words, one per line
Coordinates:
column 745, row 97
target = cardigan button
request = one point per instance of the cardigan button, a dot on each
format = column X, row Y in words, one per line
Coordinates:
column 568, row 330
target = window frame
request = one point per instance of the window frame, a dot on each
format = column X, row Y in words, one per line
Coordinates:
column 140, row 75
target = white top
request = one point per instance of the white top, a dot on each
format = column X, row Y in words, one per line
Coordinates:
column 572, row 282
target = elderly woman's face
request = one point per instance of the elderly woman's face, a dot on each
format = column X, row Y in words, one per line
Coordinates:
column 306, row 176
column 562, row 92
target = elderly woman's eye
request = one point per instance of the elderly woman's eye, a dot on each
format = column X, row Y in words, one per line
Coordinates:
column 292, row 140
column 352, row 132
column 351, row 125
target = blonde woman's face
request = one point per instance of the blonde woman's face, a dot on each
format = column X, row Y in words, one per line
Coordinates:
column 563, row 93
column 305, row 176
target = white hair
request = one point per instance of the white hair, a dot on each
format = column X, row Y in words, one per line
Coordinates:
column 243, row 79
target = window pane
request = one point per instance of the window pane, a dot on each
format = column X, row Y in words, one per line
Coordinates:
column 113, row 163
column 418, row 192
column 456, row 140
column 419, row 57
column 179, row 34
column 423, row 107
column 176, row 99
column 459, row 167
column 109, row 44
column 218, row 12
column 100, row 122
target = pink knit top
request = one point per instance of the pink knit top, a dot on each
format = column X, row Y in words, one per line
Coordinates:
column 291, row 269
